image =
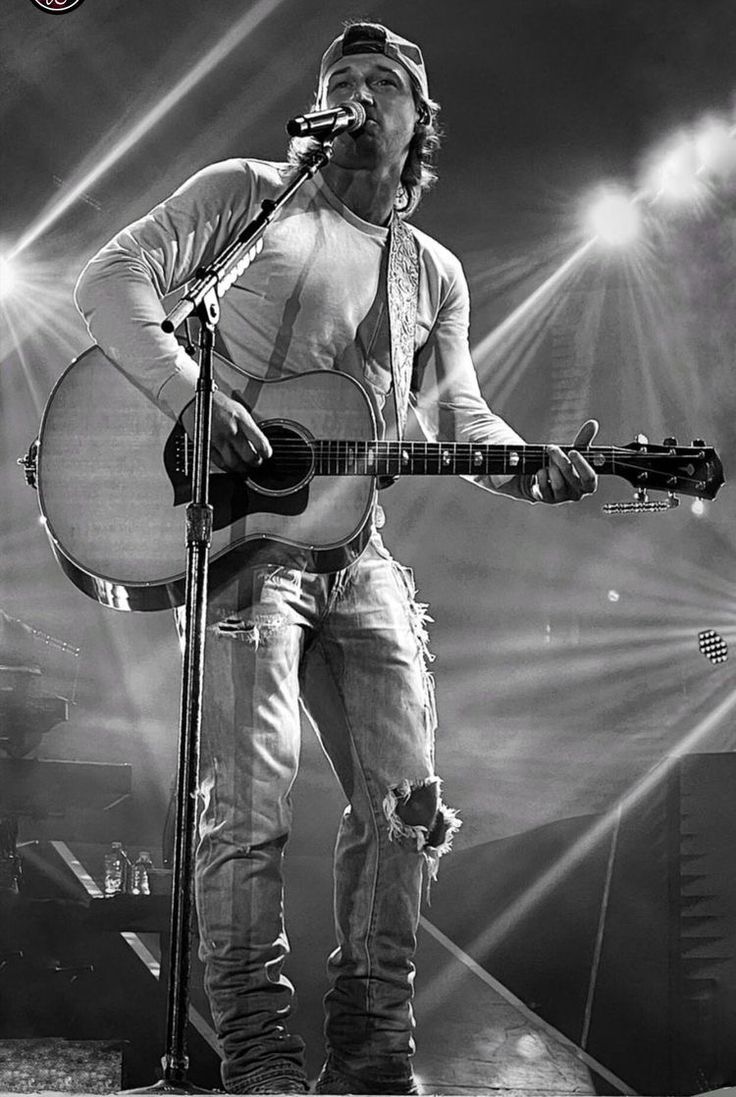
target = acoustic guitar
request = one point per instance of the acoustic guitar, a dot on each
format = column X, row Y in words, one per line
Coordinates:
column 113, row 474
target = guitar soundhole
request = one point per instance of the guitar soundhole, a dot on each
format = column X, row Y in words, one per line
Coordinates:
column 292, row 463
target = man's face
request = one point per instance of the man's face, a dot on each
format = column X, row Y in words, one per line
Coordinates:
column 384, row 89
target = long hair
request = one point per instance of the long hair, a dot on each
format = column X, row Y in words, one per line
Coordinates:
column 419, row 173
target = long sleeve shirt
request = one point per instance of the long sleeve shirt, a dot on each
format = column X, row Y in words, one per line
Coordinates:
column 314, row 299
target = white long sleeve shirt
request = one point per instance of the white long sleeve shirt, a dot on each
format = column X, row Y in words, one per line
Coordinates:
column 313, row 299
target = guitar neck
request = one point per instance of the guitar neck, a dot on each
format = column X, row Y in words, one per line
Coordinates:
column 690, row 470
column 368, row 458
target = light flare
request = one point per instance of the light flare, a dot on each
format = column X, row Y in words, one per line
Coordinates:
column 715, row 147
column 8, row 278
column 674, row 175
column 613, row 217
column 38, row 325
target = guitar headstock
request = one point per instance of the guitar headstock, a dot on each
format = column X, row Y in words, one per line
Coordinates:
column 679, row 470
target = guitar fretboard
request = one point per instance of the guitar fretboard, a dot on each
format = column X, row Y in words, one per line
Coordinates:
column 371, row 458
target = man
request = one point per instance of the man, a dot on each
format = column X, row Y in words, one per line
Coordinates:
column 351, row 644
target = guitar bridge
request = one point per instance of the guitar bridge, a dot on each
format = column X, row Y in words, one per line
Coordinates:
column 182, row 453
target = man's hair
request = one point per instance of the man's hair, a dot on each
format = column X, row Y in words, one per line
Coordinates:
column 419, row 173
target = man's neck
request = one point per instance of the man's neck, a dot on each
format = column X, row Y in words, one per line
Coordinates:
column 368, row 194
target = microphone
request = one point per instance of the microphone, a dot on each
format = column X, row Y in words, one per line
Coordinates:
column 325, row 124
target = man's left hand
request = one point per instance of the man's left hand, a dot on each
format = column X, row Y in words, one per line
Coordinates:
column 568, row 476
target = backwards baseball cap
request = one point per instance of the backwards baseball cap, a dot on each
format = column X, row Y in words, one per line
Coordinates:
column 374, row 38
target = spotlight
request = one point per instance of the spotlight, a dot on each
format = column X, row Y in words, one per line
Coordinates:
column 8, row 278
column 675, row 174
column 712, row 646
column 614, row 217
column 715, row 145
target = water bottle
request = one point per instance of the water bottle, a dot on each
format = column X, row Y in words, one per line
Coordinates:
column 140, row 880
column 116, row 860
column 10, row 863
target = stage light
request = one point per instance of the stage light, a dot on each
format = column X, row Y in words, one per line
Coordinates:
column 715, row 146
column 712, row 646
column 613, row 216
column 35, row 292
column 676, row 175
column 8, row 278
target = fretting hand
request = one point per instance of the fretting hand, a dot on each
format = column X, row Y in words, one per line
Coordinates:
column 568, row 476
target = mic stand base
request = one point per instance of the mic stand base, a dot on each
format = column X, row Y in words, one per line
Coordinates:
column 169, row 1087
column 173, row 1081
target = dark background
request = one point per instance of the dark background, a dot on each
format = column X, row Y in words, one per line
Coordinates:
column 566, row 640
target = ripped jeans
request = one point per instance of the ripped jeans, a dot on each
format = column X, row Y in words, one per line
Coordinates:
column 351, row 647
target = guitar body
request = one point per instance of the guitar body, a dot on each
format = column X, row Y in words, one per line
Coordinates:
column 113, row 483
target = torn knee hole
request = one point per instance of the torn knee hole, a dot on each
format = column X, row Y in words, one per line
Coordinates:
column 254, row 630
column 419, row 806
column 418, row 818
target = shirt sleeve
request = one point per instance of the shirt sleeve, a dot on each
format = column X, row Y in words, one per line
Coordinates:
column 447, row 398
column 120, row 291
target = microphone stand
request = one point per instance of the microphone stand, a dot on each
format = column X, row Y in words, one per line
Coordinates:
column 202, row 298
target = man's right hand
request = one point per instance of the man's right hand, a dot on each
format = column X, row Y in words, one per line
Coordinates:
column 238, row 444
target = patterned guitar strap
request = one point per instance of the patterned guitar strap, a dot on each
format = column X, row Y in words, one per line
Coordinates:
column 403, row 292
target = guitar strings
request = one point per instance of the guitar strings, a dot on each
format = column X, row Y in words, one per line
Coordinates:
column 488, row 449
column 295, row 452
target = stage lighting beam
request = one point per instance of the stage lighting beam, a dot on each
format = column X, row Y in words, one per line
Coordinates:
column 437, row 988
column 229, row 41
column 540, row 296
column 561, row 868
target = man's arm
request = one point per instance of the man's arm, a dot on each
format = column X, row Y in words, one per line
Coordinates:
column 450, row 407
column 120, row 291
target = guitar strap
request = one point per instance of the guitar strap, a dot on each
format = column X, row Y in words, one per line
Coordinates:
column 403, row 293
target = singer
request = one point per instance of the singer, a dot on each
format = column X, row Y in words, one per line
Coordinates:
column 345, row 283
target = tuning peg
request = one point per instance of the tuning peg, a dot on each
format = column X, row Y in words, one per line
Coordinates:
column 642, row 440
column 669, row 441
column 642, row 504
column 698, row 442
